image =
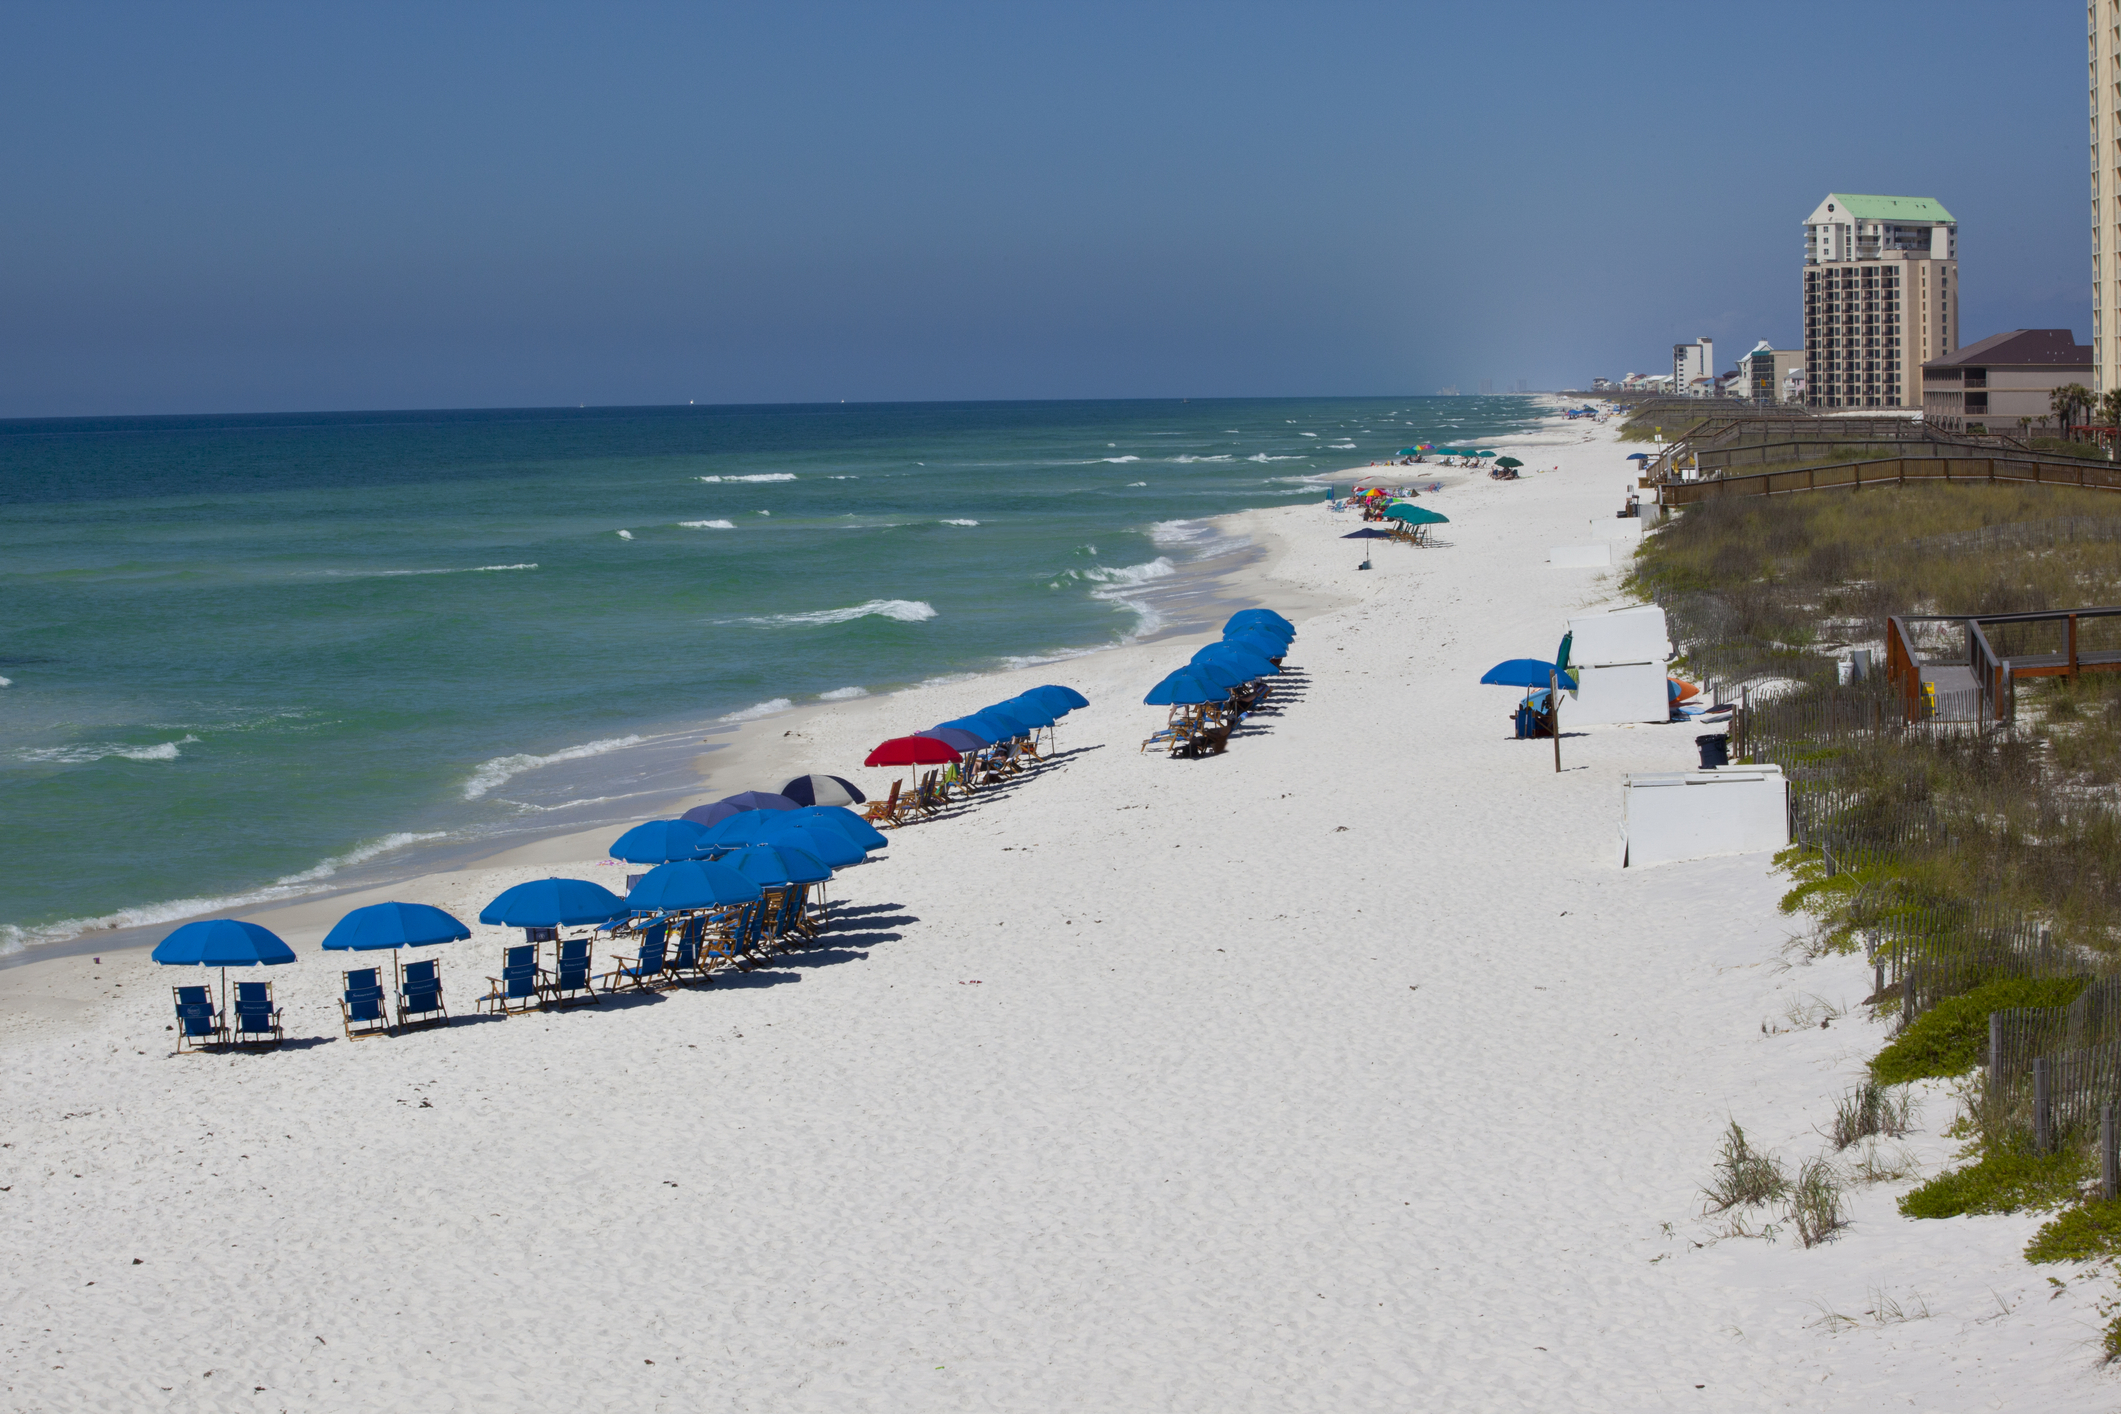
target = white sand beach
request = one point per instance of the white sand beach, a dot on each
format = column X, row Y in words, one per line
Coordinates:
column 1347, row 1070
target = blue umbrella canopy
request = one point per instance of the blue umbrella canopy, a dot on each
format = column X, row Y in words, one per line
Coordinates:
column 1011, row 714
column 1066, row 694
column 711, row 815
column 1028, row 711
column 659, row 842
column 759, row 800
column 553, row 903
column 777, row 866
column 1260, row 616
column 823, row 790
column 1003, row 725
column 1216, row 672
column 1260, row 643
column 1237, row 655
column 1416, row 515
column 222, row 942
column 1638, row 456
column 834, row 849
column 1523, row 672
column 958, row 737
column 739, row 828
column 1057, row 701
column 393, row 925
column 690, row 883
column 1368, row 532
column 986, row 733
column 1184, row 689
column 853, row 826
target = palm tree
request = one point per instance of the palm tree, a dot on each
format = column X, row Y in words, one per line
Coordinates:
column 2066, row 401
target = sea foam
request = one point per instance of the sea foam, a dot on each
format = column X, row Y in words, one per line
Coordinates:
column 708, row 524
column 501, row 769
column 756, row 710
column 761, row 476
column 906, row 611
column 82, row 753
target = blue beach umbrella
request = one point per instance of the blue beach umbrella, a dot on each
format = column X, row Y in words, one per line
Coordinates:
column 759, row 800
column 222, row 942
column 959, row 738
column 1261, row 643
column 1057, row 700
column 778, row 866
column 1184, row 689
column 689, row 883
column 553, row 903
column 1260, row 616
column 1026, row 719
column 1254, row 663
column 1523, row 672
column 393, row 925
column 832, row 848
column 738, row 829
column 1028, row 711
column 986, row 733
column 1067, row 694
column 659, row 842
column 853, row 826
column 712, row 814
column 1004, row 724
column 1216, row 672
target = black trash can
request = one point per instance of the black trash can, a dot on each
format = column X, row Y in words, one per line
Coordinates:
column 1715, row 751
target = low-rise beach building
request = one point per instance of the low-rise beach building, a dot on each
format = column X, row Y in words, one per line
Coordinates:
column 1881, row 298
column 1992, row 385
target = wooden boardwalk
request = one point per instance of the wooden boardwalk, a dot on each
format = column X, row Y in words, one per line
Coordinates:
column 1899, row 471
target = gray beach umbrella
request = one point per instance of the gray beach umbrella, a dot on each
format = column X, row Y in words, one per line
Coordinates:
column 823, row 790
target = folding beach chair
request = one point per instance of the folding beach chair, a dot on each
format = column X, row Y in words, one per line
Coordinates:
column 361, row 1004
column 684, row 961
column 257, row 1019
column 570, row 982
column 197, row 1022
column 720, row 940
column 884, row 812
column 420, row 995
column 644, row 970
column 516, row 989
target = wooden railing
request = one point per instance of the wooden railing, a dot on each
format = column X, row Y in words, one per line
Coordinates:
column 1995, row 676
column 1898, row 471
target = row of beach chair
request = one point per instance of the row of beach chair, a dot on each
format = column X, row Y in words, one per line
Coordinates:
column 935, row 790
column 644, row 954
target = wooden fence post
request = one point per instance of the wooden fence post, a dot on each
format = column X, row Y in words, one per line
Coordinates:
column 2041, row 1124
column 1907, row 998
column 2108, row 1178
column 1995, row 1047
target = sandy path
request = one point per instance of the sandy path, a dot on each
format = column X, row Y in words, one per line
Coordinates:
column 1344, row 1071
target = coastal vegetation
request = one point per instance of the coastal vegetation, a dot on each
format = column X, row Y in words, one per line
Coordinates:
column 1977, row 861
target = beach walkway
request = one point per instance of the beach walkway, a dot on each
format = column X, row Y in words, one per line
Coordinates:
column 1345, row 1070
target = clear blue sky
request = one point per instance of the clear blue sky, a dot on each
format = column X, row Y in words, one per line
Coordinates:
column 224, row 207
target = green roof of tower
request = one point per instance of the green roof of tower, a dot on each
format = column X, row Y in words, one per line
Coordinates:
column 1891, row 208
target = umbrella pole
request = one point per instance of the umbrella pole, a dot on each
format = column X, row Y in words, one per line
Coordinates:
column 1554, row 706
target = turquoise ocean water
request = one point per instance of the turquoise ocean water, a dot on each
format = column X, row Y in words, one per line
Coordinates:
column 244, row 655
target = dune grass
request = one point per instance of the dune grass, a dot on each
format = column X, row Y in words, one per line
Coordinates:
column 1952, row 1037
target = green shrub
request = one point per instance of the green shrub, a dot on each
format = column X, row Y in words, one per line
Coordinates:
column 2002, row 1181
column 1952, row 1037
column 2080, row 1234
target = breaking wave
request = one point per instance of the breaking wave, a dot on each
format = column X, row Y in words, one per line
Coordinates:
column 759, row 476
column 756, row 710
column 843, row 694
column 1263, row 457
column 708, row 524
column 502, row 768
column 15, row 939
column 82, row 754
column 960, row 522
column 906, row 611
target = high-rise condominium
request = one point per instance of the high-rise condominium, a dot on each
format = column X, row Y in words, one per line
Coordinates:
column 1881, row 295
column 2102, row 20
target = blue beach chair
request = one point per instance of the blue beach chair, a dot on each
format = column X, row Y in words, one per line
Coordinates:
column 257, row 1019
column 516, row 989
column 197, row 1022
column 420, row 995
column 688, row 959
column 644, row 970
column 570, row 983
column 361, row 1004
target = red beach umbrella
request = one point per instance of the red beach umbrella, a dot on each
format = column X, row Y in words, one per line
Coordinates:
column 912, row 751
